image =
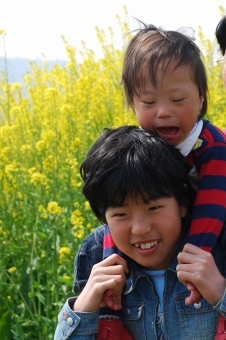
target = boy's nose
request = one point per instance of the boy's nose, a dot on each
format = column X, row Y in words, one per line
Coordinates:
column 140, row 227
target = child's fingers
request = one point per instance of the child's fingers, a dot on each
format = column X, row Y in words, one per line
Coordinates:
column 114, row 259
column 192, row 249
column 116, row 272
column 109, row 283
column 190, row 286
column 108, row 274
column 194, row 297
column 190, row 253
column 184, row 275
column 91, row 297
column 112, row 300
column 111, row 270
column 199, row 268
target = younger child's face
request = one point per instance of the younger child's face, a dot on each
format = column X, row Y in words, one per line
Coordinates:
column 147, row 233
column 171, row 110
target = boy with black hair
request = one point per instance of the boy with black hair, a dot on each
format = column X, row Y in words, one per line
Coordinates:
column 138, row 186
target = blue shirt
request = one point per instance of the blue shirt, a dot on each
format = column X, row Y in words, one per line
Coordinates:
column 158, row 279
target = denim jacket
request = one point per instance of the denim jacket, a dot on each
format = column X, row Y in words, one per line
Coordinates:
column 140, row 303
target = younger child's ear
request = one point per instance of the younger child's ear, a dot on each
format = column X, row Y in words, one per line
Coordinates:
column 201, row 100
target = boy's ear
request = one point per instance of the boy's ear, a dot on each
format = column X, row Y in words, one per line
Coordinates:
column 183, row 211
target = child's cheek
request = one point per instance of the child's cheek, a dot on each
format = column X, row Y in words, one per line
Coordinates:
column 224, row 75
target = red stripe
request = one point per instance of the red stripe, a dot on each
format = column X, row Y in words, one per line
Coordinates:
column 205, row 225
column 209, row 249
column 190, row 158
column 108, row 241
column 207, row 134
column 214, row 167
column 222, row 133
column 213, row 196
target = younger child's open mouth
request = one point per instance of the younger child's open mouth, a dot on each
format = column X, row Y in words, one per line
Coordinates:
column 168, row 131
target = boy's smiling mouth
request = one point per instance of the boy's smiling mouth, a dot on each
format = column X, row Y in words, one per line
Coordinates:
column 147, row 245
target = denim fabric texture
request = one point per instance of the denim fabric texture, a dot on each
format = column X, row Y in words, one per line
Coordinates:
column 140, row 303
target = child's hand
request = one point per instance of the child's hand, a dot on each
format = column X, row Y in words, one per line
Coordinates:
column 195, row 295
column 105, row 283
column 198, row 267
column 112, row 298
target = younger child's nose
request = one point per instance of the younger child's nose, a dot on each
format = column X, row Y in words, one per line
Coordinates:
column 163, row 111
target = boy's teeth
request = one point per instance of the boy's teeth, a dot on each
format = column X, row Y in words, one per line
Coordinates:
column 146, row 245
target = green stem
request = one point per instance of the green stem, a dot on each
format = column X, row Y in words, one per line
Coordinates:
column 22, row 297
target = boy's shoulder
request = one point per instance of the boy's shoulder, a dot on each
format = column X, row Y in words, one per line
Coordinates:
column 90, row 253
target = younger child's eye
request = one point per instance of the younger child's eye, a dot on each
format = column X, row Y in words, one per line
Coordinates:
column 148, row 103
column 178, row 100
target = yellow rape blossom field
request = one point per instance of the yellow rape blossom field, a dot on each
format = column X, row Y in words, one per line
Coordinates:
column 47, row 124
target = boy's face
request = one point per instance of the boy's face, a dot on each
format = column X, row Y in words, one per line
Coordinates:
column 147, row 233
column 171, row 110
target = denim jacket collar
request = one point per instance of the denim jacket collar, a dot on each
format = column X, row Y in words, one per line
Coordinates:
column 136, row 272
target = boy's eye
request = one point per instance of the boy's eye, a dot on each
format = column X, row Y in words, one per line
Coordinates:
column 156, row 207
column 119, row 215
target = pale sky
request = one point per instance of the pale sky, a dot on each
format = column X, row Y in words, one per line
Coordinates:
column 34, row 27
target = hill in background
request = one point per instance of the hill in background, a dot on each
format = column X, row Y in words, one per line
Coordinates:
column 17, row 67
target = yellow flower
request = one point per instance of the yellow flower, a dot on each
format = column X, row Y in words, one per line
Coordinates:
column 53, row 208
column 25, row 148
column 12, row 270
column 5, row 131
column 43, row 211
column 38, row 178
column 15, row 111
column 66, row 277
column 16, row 87
column 87, row 205
column 40, row 145
column 64, row 250
column 79, row 234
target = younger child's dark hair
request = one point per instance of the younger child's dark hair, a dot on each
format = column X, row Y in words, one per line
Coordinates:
column 152, row 46
column 130, row 162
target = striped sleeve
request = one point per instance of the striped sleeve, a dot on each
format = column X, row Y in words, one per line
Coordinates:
column 209, row 210
column 109, row 246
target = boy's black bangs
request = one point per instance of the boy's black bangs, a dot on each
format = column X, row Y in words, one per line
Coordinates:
column 135, row 184
column 131, row 164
